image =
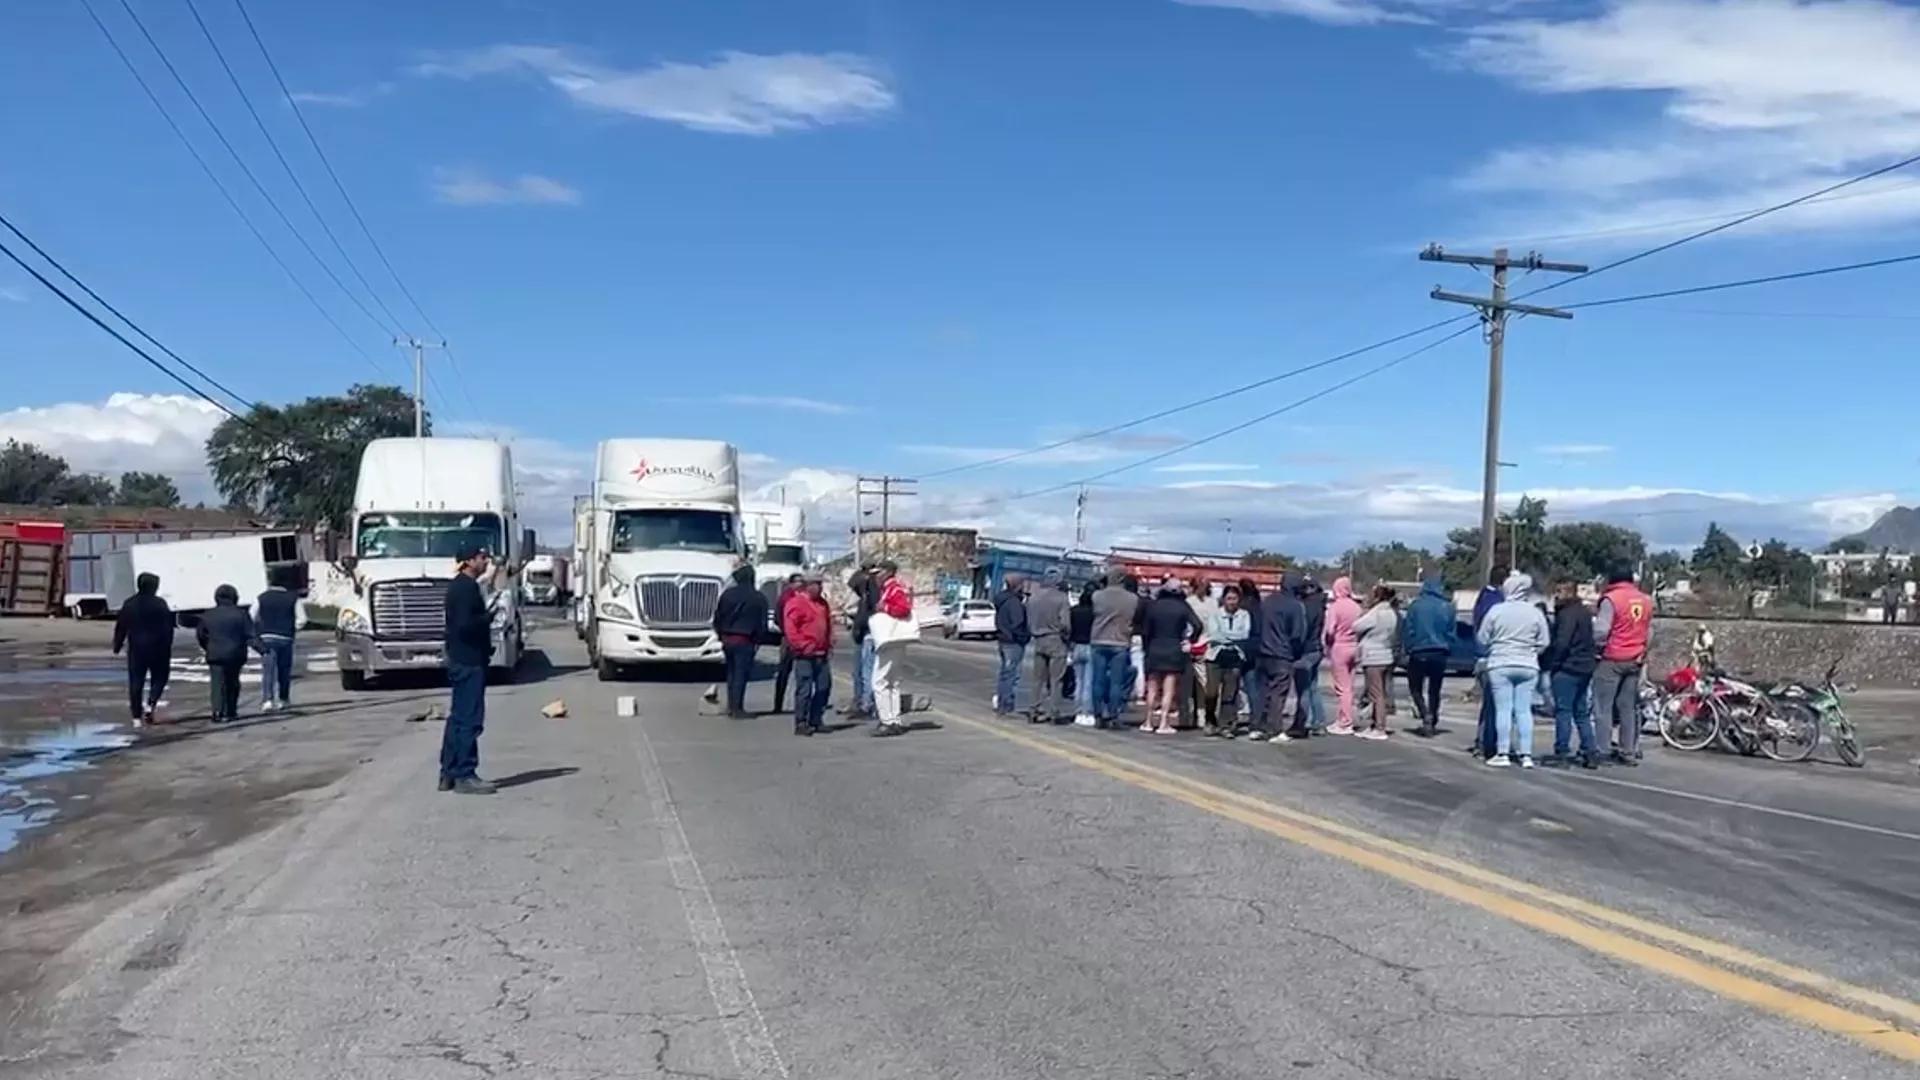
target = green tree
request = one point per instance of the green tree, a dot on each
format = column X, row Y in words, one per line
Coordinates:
column 145, row 489
column 29, row 475
column 1784, row 568
column 1590, row 549
column 1666, row 567
column 1387, row 562
column 1719, row 557
column 1848, row 545
column 298, row 464
column 83, row 489
column 1263, row 557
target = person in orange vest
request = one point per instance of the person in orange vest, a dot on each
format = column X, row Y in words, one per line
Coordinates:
column 1620, row 628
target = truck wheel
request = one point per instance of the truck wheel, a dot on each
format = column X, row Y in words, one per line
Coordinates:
column 355, row 681
column 605, row 670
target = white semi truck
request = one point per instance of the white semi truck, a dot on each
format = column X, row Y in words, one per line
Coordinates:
column 544, row 580
column 777, row 544
column 417, row 504
column 582, row 599
column 663, row 538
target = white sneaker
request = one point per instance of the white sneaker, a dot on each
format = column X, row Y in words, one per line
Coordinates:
column 1526, row 761
column 1372, row 735
column 1280, row 739
column 1498, row 761
column 1083, row 720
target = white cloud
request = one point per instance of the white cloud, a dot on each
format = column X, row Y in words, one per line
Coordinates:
column 794, row 404
column 164, row 433
column 1575, row 450
column 1338, row 12
column 467, row 187
column 1070, row 454
column 1204, row 467
column 342, row 99
column 12, row 295
column 736, row 93
column 1761, row 100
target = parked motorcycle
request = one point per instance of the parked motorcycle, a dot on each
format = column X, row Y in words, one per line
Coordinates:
column 1819, row 705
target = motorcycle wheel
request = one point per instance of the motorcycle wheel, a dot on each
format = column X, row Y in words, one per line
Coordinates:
column 1689, row 732
column 1845, row 744
column 1789, row 731
column 1732, row 736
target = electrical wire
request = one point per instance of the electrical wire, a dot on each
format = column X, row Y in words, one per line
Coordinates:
column 226, row 193
column 1722, row 227
column 118, row 314
column 248, row 172
column 1244, row 424
column 353, row 208
column 118, row 336
column 285, row 166
column 1194, row 404
column 1674, row 223
column 1770, row 279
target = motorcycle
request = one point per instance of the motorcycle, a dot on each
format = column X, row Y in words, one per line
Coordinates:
column 1821, row 704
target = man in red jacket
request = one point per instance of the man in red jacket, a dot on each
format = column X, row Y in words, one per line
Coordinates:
column 1620, row 631
column 807, row 624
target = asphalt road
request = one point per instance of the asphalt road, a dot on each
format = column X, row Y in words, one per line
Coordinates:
column 683, row 895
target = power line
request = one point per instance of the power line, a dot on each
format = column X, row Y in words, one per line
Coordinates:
column 274, row 144
column 1745, row 282
column 1722, row 227
column 118, row 336
column 118, row 314
column 1258, row 383
column 1698, row 219
column 1198, row 402
column 225, row 192
column 1244, row 424
column 352, row 207
column 253, row 179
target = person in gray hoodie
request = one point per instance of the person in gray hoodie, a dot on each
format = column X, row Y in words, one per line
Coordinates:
column 1049, row 617
column 1511, row 637
column 1378, row 631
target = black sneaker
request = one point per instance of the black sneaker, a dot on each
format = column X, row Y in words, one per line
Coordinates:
column 803, row 729
column 887, row 731
column 1589, row 761
column 1624, row 759
column 473, row 785
column 446, row 783
column 1556, row 761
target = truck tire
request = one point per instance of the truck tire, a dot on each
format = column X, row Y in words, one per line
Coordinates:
column 354, row 681
column 605, row 671
column 501, row 676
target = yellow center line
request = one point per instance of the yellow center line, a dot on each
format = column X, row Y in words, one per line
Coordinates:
column 1516, row 901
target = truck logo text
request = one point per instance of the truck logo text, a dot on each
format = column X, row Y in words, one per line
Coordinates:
column 645, row 469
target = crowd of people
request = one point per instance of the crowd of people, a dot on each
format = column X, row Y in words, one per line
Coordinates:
column 1235, row 662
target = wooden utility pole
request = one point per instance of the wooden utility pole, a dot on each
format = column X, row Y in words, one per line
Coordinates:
column 1493, row 312
column 889, row 488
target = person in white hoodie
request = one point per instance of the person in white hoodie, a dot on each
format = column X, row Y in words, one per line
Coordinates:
column 1511, row 638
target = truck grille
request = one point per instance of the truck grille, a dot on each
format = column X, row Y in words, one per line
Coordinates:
column 410, row 610
column 672, row 601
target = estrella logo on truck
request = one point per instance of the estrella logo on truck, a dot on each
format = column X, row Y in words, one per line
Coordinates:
column 647, row 469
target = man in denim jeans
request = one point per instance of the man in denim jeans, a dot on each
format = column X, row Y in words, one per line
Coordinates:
column 1112, row 639
column 1570, row 661
column 277, row 615
column 865, row 585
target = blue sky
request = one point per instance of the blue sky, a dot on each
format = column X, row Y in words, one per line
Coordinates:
column 899, row 236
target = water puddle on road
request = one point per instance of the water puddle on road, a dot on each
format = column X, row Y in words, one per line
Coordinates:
column 40, row 756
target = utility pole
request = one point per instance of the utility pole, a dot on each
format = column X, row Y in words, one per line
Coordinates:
column 1493, row 312
column 419, row 378
column 890, row 488
column 1080, row 518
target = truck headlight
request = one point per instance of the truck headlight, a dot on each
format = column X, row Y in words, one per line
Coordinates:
column 616, row 611
column 500, row 617
column 352, row 622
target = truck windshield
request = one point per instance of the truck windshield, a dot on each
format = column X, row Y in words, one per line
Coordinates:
column 673, row 530
column 427, row 536
column 784, row 554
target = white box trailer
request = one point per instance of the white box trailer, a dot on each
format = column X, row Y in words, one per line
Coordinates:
column 190, row 570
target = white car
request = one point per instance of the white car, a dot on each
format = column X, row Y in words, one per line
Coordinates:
column 969, row 618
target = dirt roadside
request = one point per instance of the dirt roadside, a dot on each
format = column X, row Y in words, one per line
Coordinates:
column 105, row 814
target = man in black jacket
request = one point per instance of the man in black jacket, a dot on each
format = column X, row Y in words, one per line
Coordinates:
column 1571, row 659
column 1280, row 639
column 225, row 632
column 469, row 647
column 1010, row 630
column 145, row 629
column 739, row 618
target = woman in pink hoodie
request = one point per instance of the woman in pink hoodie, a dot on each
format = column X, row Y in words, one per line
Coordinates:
column 1343, row 649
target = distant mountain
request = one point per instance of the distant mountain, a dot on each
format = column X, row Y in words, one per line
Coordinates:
column 1898, row 529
